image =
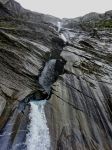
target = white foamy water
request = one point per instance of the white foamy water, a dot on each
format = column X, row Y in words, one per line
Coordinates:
column 63, row 38
column 59, row 26
column 38, row 137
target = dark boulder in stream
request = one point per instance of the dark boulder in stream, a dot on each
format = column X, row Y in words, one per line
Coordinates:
column 78, row 78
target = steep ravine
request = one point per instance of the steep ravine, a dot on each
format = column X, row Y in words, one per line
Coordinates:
column 31, row 81
column 66, row 62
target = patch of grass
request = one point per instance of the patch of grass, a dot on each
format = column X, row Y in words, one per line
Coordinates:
column 96, row 24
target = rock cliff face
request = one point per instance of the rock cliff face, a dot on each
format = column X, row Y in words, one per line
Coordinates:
column 74, row 61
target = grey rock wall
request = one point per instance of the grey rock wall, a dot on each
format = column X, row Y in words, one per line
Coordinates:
column 79, row 110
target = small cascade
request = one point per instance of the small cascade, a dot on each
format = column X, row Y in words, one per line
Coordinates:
column 38, row 137
column 48, row 75
column 61, row 34
column 59, row 26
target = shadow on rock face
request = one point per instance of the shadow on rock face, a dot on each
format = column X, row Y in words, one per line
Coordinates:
column 59, row 66
column 84, row 43
column 58, row 41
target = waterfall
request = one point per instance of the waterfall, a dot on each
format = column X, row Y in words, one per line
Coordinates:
column 62, row 36
column 48, row 75
column 38, row 137
column 59, row 26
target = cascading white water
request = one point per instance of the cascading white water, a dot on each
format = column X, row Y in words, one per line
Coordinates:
column 62, row 36
column 38, row 137
column 59, row 26
column 47, row 76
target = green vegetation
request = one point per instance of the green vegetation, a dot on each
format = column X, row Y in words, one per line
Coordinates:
column 97, row 24
column 104, row 24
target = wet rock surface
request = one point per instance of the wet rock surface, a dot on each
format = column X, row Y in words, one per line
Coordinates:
column 73, row 62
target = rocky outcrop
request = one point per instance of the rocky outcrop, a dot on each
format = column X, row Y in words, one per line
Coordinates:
column 17, row 11
column 80, row 109
column 72, row 68
column 89, row 21
column 24, row 48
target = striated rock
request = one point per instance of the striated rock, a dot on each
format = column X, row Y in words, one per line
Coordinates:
column 75, row 75
column 89, row 21
column 80, row 112
column 2, row 104
column 24, row 48
column 91, row 17
column 108, row 14
column 18, row 11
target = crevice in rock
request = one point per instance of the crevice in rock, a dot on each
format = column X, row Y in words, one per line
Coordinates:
column 86, row 44
column 53, row 68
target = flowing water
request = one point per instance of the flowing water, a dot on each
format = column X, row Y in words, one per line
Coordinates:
column 26, row 131
column 38, row 137
column 47, row 76
column 61, row 34
column 59, row 26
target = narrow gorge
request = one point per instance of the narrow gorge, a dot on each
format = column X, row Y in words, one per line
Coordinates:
column 55, row 80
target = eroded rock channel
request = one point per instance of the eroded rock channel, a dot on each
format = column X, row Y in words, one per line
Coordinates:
column 55, row 80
